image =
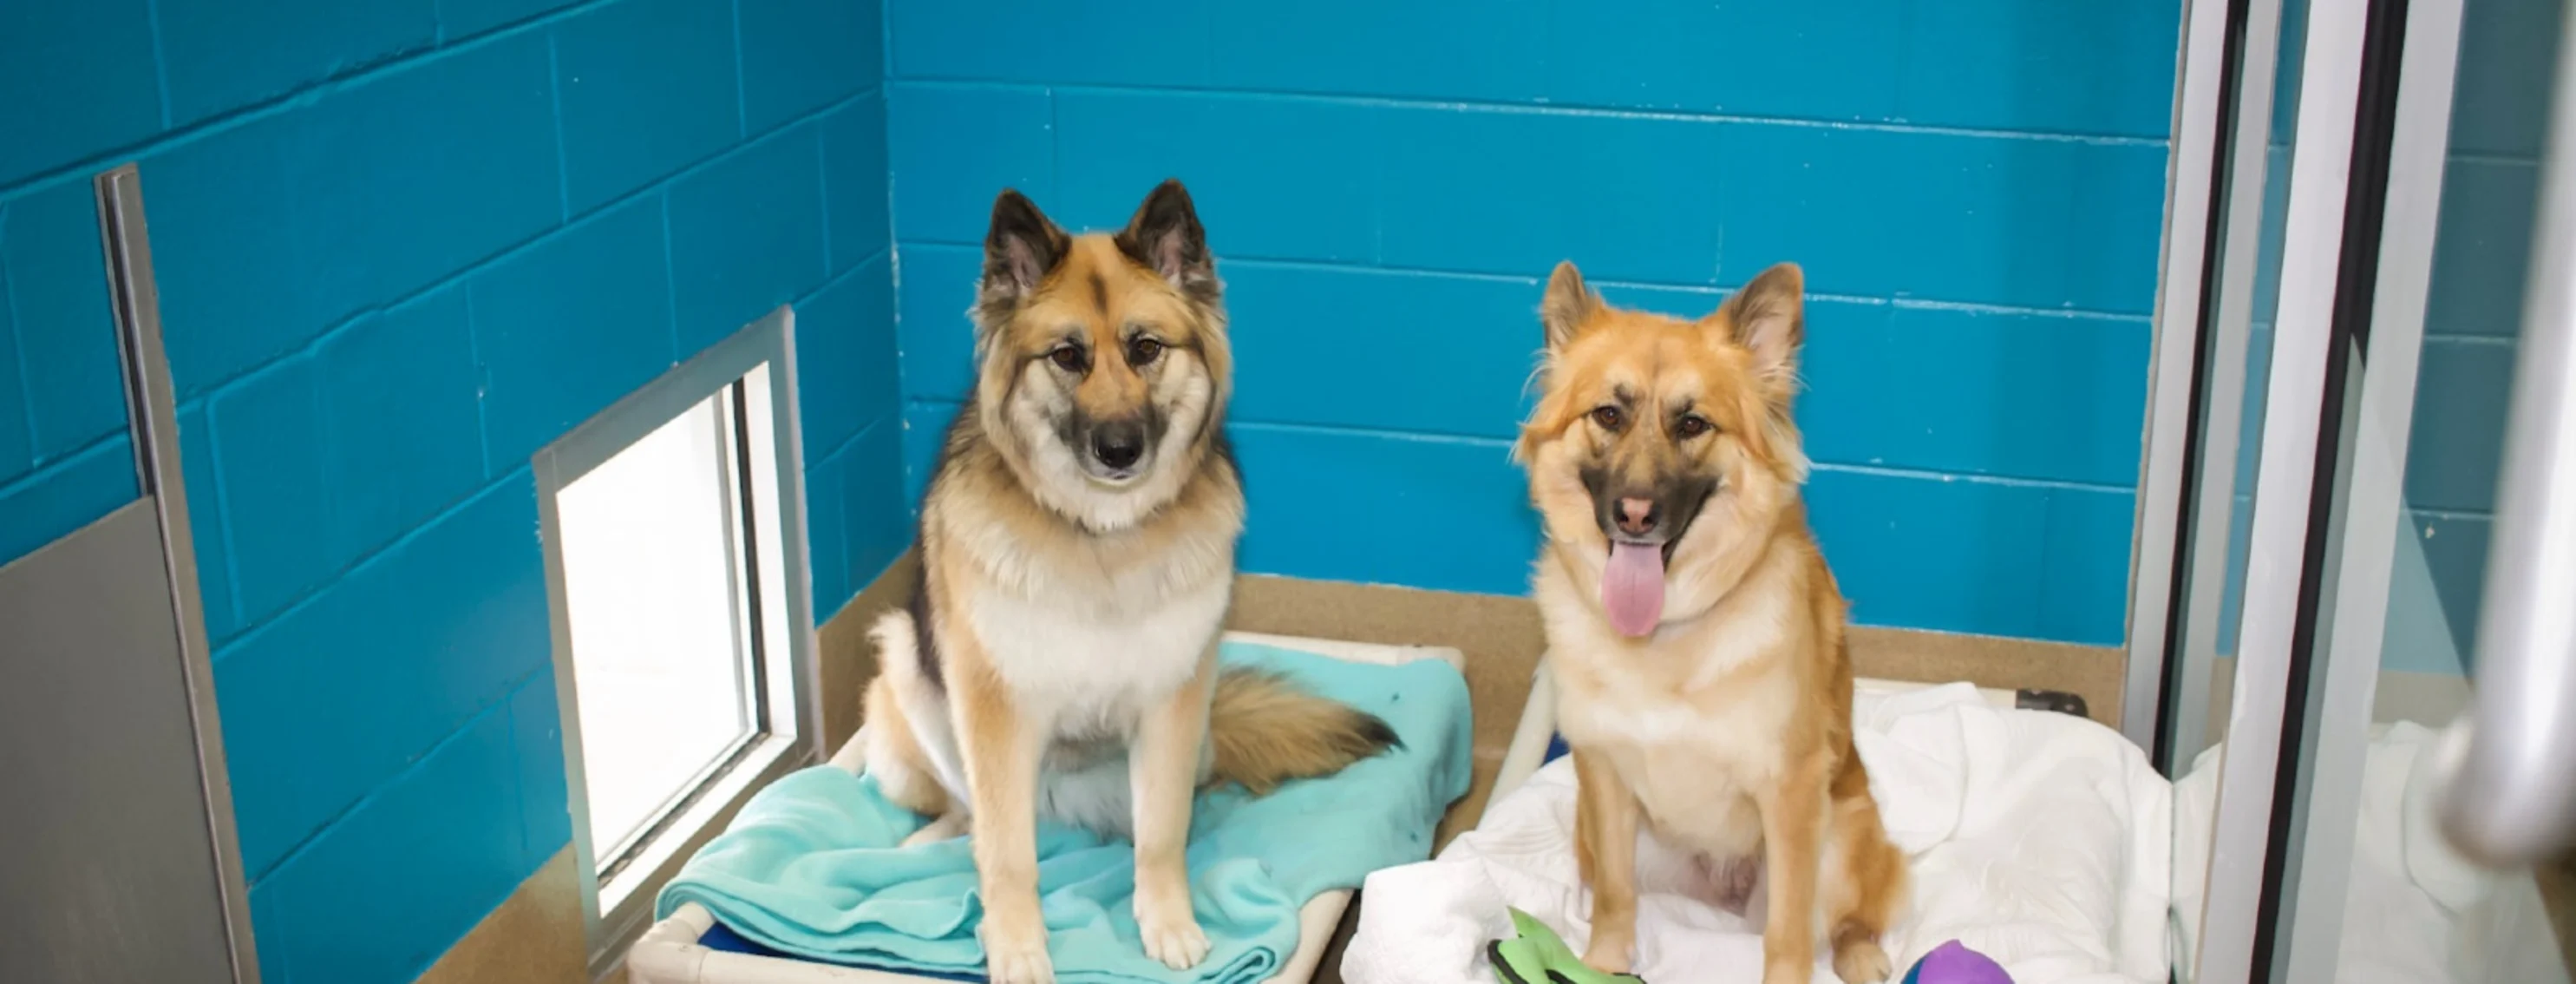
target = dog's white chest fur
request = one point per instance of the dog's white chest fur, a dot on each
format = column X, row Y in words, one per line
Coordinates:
column 1091, row 662
column 1084, row 660
column 1691, row 765
column 1690, row 741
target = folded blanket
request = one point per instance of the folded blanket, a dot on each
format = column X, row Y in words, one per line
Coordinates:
column 811, row 868
column 2036, row 838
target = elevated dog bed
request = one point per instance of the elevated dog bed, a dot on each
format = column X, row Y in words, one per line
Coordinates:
column 691, row 946
column 2041, row 839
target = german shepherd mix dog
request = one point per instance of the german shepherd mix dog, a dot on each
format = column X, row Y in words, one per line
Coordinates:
column 1694, row 632
column 1077, row 556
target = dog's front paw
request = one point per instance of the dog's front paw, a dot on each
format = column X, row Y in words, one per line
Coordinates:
column 1016, row 956
column 1609, row 956
column 1862, row 962
column 1172, row 934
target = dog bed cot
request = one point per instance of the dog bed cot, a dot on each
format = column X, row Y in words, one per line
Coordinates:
column 690, row 946
column 2039, row 838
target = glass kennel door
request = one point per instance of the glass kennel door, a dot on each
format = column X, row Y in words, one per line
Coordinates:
column 2379, row 534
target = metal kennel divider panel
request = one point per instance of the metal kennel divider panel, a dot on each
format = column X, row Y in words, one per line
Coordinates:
column 124, row 863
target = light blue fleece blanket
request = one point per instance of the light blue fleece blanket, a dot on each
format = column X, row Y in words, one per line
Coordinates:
column 810, row 867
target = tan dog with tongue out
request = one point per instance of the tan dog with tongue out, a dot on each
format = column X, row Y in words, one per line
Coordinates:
column 1695, row 635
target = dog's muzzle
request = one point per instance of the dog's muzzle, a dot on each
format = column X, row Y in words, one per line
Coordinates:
column 1116, row 451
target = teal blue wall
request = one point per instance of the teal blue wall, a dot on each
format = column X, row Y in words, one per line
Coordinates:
column 402, row 244
column 1974, row 186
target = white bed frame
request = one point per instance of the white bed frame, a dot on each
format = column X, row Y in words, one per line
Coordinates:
column 670, row 951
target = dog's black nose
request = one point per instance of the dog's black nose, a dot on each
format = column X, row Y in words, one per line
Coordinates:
column 1119, row 444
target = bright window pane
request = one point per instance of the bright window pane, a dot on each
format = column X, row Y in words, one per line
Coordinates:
column 650, row 575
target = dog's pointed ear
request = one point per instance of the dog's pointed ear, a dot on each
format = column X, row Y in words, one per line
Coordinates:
column 1021, row 247
column 1569, row 302
column 1768, row 318
column 1165, row 236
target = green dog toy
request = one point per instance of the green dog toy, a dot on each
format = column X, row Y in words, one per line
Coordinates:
column 1538, row 956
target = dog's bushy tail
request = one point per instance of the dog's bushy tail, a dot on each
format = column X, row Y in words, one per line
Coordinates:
column 1267, row 730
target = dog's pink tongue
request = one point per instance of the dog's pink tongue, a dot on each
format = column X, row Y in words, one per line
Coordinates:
column 1632, row 588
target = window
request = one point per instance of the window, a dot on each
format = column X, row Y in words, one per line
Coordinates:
column 668, row 676
column 674, row 546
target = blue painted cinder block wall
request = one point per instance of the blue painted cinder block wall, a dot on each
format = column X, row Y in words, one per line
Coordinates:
column 401, row 244
column 1974, row 186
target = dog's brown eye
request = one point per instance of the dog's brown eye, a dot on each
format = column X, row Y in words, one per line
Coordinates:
column 1692, row 425
column 1609, row 418
column 1069, row 358
column 1143, row 351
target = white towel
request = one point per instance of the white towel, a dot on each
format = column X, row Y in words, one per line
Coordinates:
column 2414, row 910
column 2037, row 838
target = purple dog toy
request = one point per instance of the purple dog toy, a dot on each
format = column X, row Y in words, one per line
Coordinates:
column 1954, row 963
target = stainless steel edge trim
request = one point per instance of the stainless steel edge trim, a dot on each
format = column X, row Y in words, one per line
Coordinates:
column 2276, row 555
column 2222, row 424
column 2373, row 498
column 787, row 434
column 2201, row 66
column 153, row 417
column 741, row 574
column 550, row 483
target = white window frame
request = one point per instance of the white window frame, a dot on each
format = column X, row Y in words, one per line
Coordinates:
column 618, row 905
